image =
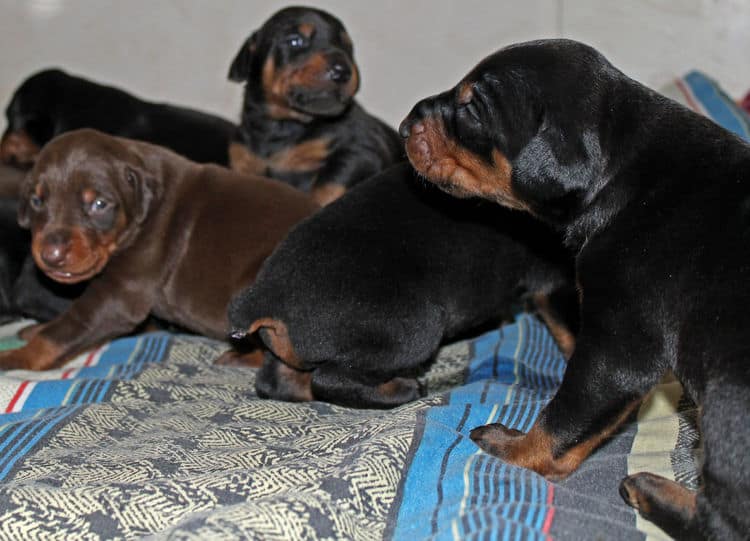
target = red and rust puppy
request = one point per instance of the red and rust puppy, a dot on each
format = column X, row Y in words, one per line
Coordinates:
column 52, row 102
column 300, row 122
column 153, row 232
column 654, row 200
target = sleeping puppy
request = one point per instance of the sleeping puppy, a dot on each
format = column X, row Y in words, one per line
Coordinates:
column 52, row 102
column 153, row 232
column 654, row 200
column 300, row 122
column 359, row 297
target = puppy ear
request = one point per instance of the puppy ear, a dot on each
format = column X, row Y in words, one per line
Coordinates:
column 146, row 189
column 239, row 71
column 23, row 201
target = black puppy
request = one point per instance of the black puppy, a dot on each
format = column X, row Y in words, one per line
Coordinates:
column 300, row 122
column 360, row 296
column 655, row 201
column 52, row 102
column 14, row 246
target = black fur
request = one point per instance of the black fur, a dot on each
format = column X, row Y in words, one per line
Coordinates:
column 360, row 145
column 52, row 102
column 370, row 286
column 654, row 200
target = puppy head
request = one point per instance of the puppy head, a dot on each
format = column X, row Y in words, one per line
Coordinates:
column 83, row 200
column 30, row 117
column 520, row 129
column 300, row 64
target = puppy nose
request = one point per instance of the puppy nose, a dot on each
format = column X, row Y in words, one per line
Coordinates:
column 408, row 127
column 55, row 249
column 339, row 72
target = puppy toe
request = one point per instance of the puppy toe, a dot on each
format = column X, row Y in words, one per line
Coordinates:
column 495, row 438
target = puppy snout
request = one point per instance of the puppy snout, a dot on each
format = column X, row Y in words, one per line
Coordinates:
column 410, row 127
column 55, row 250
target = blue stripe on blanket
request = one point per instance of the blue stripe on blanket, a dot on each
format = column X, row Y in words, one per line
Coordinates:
column 454, row 491
column 122, row 360
column 718, row 106
column 52, row 401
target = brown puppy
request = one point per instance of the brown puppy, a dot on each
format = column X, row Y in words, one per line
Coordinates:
column 155, row 234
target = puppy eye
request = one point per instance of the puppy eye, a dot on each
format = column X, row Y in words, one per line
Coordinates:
column 99, row 206
column 472, row 110
column 36, row 202
column 296, row 41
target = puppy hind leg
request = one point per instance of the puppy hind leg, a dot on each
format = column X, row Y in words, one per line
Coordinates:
column 279, row 381
column 666, row 503
column 332, row 384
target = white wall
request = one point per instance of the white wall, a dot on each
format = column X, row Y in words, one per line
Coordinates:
column 180, row 50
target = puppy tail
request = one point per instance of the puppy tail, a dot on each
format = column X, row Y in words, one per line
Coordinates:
column 275, row 336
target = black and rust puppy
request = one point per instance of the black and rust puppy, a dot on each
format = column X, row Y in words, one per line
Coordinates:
column 655, row 201
column 155, row 233
column 300, row 122
column 359, row 297
column 52, row 102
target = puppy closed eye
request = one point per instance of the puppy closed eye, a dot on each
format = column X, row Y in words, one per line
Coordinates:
column 471, row 109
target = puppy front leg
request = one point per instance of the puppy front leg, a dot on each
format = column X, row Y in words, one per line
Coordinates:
column 101, row 313
column 605, row 380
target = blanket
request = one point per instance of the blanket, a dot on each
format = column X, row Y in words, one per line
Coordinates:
column 147, row 437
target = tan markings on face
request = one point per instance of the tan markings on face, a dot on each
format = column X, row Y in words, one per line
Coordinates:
column 306, row 157
column 465, row 93
column 87, row 250
column 457, row 170
column 276, row 87
column 306, row 29
column 88, row 195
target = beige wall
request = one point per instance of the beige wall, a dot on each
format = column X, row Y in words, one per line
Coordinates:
column 179, row 50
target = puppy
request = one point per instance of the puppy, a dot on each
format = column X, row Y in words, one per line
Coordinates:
column 153, row 232
column 300, row 122
column 359, row 297
column 654, row 200
column 52, row 102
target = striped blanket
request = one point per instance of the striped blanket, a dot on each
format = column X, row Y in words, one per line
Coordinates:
column 145, row 437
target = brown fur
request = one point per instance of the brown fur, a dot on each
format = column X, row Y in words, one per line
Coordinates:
column 181, row 239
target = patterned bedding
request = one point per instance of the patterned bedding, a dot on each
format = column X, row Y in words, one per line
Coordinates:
column 145, row 437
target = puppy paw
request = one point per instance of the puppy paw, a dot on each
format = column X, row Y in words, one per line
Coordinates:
column 666, row 503
column 497, row 439
column 647, row 492
column 11, row 360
